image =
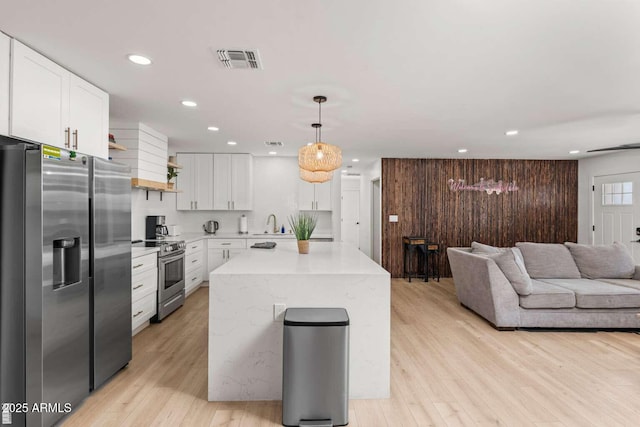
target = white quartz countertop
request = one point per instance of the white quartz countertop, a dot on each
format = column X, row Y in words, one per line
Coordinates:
column 323, row 258
column 140, row 251
column 193, row 236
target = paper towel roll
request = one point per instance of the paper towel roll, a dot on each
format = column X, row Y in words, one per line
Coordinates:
column 243, row 225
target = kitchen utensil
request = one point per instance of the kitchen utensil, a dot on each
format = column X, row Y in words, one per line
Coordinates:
column 211, row 226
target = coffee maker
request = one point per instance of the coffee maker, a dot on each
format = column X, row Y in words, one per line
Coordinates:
column 155, row 228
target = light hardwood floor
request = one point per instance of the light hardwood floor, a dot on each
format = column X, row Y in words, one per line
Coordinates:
column 448, row 368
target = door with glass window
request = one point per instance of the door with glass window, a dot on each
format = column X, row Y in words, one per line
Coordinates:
column 616, row 211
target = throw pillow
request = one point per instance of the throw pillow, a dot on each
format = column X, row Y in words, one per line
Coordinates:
column 514, row 270
column 548, row 261
column 603, row 261
column 480, row 248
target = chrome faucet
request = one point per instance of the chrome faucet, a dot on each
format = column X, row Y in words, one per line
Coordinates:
column 275, row 222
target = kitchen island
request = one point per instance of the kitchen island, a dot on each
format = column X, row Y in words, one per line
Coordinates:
column 245, row 342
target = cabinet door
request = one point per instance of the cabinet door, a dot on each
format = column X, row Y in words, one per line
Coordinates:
column 5, row 66
column 215, row 258
column 242, row 182
column 184, row 182
column 323, row 196
column 88, row 118
column 40, row 98
column 203, row 182
column 306, row 198
column 221, row 182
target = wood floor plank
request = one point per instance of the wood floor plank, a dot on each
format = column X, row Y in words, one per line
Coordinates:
column 449, row 367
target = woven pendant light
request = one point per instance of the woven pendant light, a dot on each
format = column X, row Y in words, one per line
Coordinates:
column 315, row 177
column 319, row 156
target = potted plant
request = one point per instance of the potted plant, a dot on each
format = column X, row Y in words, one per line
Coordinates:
column 171, row 173
column 303, row 225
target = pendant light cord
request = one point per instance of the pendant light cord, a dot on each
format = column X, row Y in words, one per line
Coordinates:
column 320, row 120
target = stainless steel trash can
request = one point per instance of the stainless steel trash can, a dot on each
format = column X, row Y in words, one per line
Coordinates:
column 315, row 370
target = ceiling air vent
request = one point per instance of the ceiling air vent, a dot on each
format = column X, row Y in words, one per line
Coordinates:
column 241, row 58
column 273, row 144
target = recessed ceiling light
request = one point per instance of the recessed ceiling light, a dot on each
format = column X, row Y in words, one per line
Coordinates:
column 512, row 132
column 574, row 151
column 344, row 171
column 189, row 104
column 213, row 129
column 139, row 59
column 272, row 153
column 355, row 160
column 462, row 150
column 231, row 143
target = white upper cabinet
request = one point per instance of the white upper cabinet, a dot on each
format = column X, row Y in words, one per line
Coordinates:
column 195, row 181
column 314, row 197
column 5, row 68
column 52, row 106
column 40, row 98
column 89, row 118
column 233, row 182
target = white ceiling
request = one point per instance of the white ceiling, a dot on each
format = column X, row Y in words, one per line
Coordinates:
column 410, row 78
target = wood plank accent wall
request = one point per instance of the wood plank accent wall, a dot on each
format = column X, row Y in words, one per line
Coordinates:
column 544, row 209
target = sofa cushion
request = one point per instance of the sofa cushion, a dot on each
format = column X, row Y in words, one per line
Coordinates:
column 511, row 264
column 546, row 295
column 480, row 248
column 597, row 294
column 629, row 283
column 603, row 261
column 548, row 261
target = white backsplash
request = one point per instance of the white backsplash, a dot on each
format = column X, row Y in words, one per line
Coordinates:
column 275, row 192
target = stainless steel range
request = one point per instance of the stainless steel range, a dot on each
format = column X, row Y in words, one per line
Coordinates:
column 170, row 276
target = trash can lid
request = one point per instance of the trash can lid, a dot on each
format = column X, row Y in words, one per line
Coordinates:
column 316, row 317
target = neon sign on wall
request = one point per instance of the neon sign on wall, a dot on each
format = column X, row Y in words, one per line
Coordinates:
column 489, row 186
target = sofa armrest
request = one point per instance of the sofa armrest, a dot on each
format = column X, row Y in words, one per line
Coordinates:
column 482, row 287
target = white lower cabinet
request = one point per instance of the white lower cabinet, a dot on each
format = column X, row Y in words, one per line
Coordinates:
column 194, row 266
column 144, row 290
column 220, row 251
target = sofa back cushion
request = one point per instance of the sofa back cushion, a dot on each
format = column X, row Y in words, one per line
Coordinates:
column 482, row 249
column 603, row 261
column 510, row 262
column 548, row 261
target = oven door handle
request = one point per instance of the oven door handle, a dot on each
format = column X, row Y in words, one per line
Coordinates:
column 168, row 259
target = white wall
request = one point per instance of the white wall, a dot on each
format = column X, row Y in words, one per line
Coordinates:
column 368, row 175
column 275, row 191
column 608, row 164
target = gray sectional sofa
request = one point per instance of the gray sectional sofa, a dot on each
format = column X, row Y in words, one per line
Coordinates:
column 540, row 285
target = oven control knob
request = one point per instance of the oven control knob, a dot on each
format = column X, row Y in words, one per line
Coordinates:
column 168, row 249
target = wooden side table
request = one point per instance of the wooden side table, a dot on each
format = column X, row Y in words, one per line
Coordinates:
column 429, row 250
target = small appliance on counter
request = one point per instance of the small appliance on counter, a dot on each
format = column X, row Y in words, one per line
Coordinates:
column 211, row 227
column 243, row 229
column 155, row 228
column 173, row 230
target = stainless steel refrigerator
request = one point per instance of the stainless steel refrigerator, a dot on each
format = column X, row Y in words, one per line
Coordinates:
column 46, row 334
column 110, row 257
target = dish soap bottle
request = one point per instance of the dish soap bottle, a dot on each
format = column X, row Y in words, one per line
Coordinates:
column 282, row 229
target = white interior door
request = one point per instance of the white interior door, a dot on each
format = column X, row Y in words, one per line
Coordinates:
column 350, row 216
column 616, row 211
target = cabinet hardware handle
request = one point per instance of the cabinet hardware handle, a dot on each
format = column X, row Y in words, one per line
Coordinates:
column 67, row 137
column 233, row 205
column 228, row 205
column 194, row 247
column 196, row 205
column 193, row 279
column 139, row 265
column 75, row 139
column 138, row 287
column 192, row 204
column 225, row 244
column 195, row 260
column 138, row 313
